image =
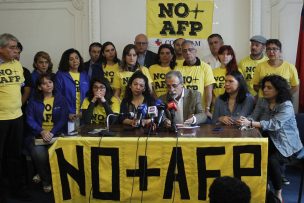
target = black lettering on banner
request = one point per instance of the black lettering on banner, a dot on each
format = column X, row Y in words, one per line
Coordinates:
column 181, row 27
column 143, row 172
column 65, row 169
column 96, row 152
column 168, row 27
column 165, row 9
column 176, row 162
column 203, row 173
column 255, row 150
column 195, row 27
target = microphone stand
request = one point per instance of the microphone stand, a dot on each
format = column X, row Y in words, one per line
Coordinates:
column 107, row 132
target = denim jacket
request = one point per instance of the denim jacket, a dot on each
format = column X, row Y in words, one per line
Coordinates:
column 280, row 124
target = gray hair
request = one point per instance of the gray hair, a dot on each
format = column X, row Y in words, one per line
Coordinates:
column 5, row 38
column 174, row 73
column 188, row 42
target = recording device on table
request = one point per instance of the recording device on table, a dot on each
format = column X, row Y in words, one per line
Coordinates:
column 152, row 113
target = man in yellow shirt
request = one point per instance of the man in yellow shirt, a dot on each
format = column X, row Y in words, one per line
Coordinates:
column 11, row 121
column 248, row 64
column 197, row 75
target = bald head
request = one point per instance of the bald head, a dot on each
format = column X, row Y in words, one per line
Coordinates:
column 141, row 43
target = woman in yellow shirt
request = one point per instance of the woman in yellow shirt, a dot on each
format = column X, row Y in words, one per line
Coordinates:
column 128, row 66
column 166, row 61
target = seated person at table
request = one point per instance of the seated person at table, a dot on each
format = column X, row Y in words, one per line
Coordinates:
column 99, row 102
column 235, row 102
column 229, row 190
column 137, row 99
column 274, row 115
column 188, row 101
column 47, row 116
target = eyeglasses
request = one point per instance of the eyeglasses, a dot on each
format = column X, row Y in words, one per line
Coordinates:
column 141, row 43
column 274, row 49
column 174, row 86
column 189, row 49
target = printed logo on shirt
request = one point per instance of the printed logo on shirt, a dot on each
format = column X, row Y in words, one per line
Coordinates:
column 9, row 76
column 47, row 116
column 77, row 85
column 98, row 118
column 190, row 81
column 219, row 82
column 249, row 72
column 125, row 80
column 109, row 75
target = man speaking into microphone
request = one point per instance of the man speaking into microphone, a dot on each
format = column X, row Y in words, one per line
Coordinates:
column 189, row 110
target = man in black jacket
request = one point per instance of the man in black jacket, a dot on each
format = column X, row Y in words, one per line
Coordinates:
column 145, row 57
column 94, row 51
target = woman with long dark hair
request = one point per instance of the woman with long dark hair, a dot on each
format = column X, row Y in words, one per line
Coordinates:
column 99, row 102
column 235, row 102
column 137, row 98
column 274, row 116
column 72, row 81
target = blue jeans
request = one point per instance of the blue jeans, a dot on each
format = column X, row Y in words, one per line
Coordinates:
column 40, row 156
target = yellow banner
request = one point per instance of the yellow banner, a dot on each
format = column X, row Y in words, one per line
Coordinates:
column 123, row 169
column 191, row 19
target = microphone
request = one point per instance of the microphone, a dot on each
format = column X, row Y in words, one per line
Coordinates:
column 141, row 112
column 152, row 112
column 161, row 109
column 171, row 106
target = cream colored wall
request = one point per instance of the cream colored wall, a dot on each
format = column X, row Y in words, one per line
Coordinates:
column 45, row 25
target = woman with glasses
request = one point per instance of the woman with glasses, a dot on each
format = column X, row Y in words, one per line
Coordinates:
column 166, row 61
column 128, row 66
column 275, row 65
column 236, row 101
column 274, row 116
column 99, row 102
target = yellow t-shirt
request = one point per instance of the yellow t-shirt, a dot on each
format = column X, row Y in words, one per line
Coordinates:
column 99, row 113
column 76, row 78
column 47, row 122
column 158, row 75
column 197, row 77
column 121, row 79
column 11, row 79
column 247, row 67
column 110, row 71
column 219, row 74
column 286, row 70
column 179, row 62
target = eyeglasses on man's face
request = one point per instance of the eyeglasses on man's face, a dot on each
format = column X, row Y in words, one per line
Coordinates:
column 274, row 49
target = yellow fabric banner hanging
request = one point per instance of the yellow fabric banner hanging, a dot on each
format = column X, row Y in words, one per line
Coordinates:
column 112, row 169
column 191, row 19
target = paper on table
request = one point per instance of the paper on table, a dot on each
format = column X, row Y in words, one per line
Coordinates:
column 182, row 126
